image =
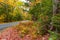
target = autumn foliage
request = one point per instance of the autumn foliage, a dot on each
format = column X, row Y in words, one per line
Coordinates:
column 23, row 31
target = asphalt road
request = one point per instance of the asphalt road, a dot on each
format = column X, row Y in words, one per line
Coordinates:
column 2, row 26
column 5, row 25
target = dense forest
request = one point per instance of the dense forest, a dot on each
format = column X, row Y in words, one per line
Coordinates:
column 43, row 14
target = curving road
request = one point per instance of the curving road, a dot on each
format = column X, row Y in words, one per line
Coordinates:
column 2, row 26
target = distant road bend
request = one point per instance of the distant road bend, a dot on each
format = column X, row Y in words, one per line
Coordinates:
column 2, row 26
column 8, row 24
